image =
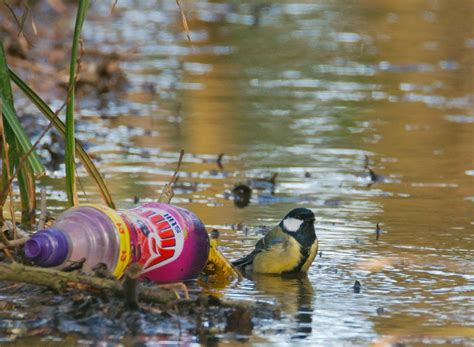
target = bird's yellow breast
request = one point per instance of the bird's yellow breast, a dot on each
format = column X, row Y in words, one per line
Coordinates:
column 312, row 254
column 279, row 258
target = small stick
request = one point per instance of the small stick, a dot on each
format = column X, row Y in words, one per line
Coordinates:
column 7, row 244
column 60, row 280
column 167, row 193
column 273, row 178
column 185, row 22
column 9, row 188
column 4, row 239
column 130, row 286
column 373, row 175
column 113, row 6
column 175, row 287
column 366, row 161
column 219, row 161
column 14, row 243
column 377, row 232
column 21, row 163
column 8, row 225
column 42, row 219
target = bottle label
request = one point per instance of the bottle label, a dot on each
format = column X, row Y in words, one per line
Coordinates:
column 125, row 253
column 157, row 236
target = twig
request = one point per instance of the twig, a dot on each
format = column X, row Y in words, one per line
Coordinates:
column 130, row 286
column 113, row 6
column 15, row 243
column 8, row 225
column 9, row 189
column 185, row 22
column 59, row 281
column 366, row 161
column 175, row 287
column 7, row 244
column 42, row 219
column 4, row 239
column 12, row 12
column 167, row 193
column 81, row 186
column 22, row 162
column 175, row 175
column 33, row 26
column 24, row 16
column 219, row 161
column 20, row 26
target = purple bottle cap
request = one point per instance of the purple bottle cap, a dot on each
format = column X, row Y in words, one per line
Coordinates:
column 48, row 247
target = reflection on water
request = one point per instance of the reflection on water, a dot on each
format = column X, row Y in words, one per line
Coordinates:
column 306, row 89
column 293, row 295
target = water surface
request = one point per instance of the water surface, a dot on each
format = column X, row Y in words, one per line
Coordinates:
column 307, row 89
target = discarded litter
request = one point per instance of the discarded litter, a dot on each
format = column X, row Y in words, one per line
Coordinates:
column 169, row 242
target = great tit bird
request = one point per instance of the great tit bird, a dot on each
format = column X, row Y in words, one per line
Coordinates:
column 290, row 247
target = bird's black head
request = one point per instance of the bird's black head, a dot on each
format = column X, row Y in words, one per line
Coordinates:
column 299, row 223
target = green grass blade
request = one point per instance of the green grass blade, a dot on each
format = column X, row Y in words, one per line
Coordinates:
column 24, row 143
column 60, row 126
column 12, row 118
column 70, row 153
column 5, row 86
column 4, row 178
column 26, row 180
column 27, row 184
column 19, row 145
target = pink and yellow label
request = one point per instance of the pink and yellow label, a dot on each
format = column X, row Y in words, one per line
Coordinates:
column 158, row 237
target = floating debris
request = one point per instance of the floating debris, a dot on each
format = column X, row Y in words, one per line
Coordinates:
column 242, row 194
column 102, row 271
column 377, row 232
column 376, row 177
column 219, row 161
column 357, row 287
column 371, row 175
column 334, row 202
column 268, row 183
column 73, row 265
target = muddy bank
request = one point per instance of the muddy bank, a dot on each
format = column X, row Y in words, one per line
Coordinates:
column 31, row 313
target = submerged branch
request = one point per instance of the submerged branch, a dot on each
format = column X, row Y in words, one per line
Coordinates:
column 60, row 280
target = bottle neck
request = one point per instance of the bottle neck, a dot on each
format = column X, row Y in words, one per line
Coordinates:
column 47, row 247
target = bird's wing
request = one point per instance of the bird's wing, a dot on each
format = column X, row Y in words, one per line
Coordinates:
column 273, row 237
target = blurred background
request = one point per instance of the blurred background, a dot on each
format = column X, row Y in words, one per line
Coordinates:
column 362, row 109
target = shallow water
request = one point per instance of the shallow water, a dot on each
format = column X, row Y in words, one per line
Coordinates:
column 306, row 89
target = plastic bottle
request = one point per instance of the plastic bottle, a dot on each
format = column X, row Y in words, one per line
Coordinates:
column 170, row 242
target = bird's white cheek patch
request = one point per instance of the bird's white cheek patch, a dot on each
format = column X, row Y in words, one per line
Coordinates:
column 292, row 224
